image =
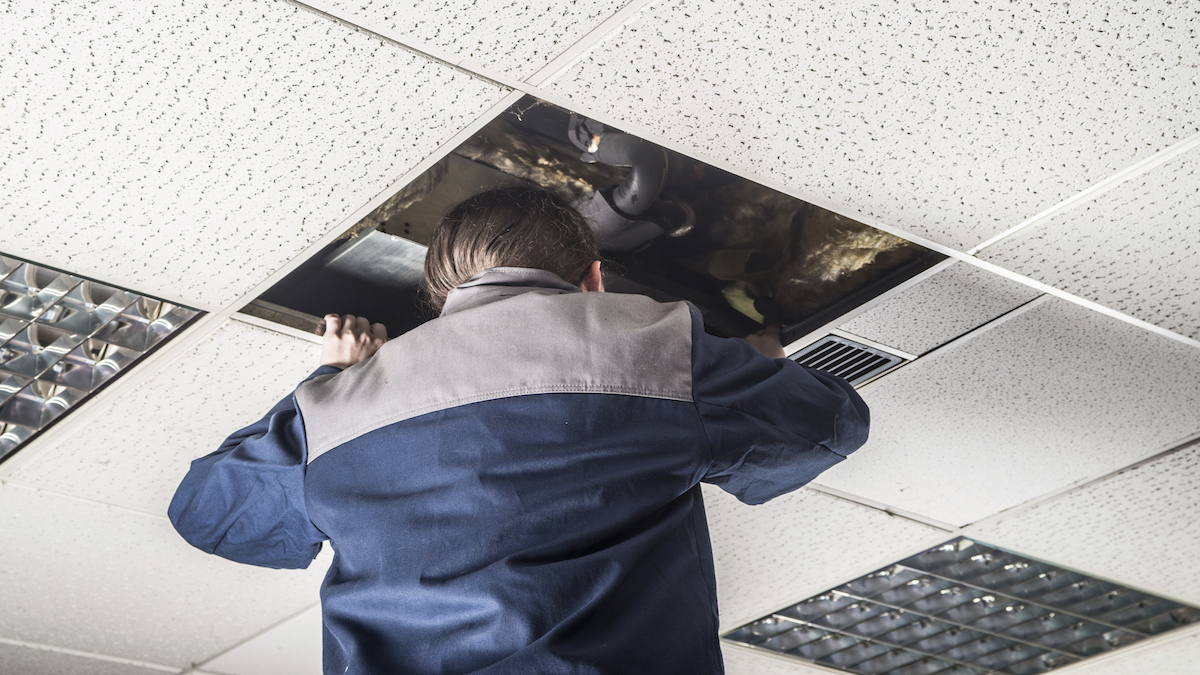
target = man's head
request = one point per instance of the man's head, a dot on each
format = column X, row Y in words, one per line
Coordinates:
column 509, row 227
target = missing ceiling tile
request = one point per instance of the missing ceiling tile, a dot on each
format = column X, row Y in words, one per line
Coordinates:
column 670, row 227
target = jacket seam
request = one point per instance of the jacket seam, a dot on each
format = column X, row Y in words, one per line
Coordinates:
column 486, row 396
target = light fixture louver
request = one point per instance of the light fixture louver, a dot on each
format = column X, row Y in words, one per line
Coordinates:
column 964, row 608
column 62, row 338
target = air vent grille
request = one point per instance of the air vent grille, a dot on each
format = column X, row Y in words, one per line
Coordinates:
column 964, row 608
column 856, row 363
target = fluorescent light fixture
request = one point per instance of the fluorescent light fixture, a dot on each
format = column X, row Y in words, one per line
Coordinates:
column 62, row 338
column 964, row 608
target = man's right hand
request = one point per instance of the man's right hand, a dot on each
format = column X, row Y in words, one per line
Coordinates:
column 349, row 339
column 766, row 341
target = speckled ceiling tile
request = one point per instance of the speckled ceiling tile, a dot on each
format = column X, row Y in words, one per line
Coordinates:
column 291, row 648
column 1055, row 395
column 515, row 38
column 31, row 661
column 135, row 454
column 1135, row 248
column 83, row 576
column 953, row 121
column 192, row 148
column 804, row 542
column 1177, row 657
column 939, row 309
column 1138, row 527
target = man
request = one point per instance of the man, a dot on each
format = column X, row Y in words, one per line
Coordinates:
column 514, row 487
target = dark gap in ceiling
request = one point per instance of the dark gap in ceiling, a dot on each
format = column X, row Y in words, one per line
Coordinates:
column 743, row 253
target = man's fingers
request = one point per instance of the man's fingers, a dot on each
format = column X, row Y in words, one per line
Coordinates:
column 333, row 323
column 362, row 326
column 379, row 332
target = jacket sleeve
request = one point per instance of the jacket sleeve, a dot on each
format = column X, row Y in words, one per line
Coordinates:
column 245, row 502
column 772, row 424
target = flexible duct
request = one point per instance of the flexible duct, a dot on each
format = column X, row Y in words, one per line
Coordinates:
column 612, row 212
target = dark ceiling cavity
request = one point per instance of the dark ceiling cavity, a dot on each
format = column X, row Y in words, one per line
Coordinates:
column 670, row 227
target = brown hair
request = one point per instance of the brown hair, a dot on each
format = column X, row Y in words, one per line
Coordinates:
column 507, row 227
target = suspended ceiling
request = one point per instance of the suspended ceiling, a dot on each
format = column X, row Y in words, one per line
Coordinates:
column 198, row 151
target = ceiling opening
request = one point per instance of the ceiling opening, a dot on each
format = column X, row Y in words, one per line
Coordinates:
column 670, row 227
column 964, row 608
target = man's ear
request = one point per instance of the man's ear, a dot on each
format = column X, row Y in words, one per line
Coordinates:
column 592, row 281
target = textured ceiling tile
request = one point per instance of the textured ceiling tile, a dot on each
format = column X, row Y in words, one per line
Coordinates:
column 135, row 454
column 953, row 122
column 31, row 661
column 1055, row 395
column 1177, row 657
column 804, row 542
column 1138, row 527
column 291, row 648
column 743, row 661
column 1135, row 248
column 83, row 576
column 516, row 38
column 192, row 148
column 939, row 309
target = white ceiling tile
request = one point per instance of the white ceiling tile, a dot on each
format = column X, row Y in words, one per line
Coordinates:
column 135, row 454
column 291, row 648
column 1137, row 527
column 1176, row 657
column 953, row 122
column 513, row 38
column 747, row 661
column 802, row 543
column 32, row 661
column 1135, row 248
column 192, row 148
column 1055, row 395
column 95, row 578
column 939, row 309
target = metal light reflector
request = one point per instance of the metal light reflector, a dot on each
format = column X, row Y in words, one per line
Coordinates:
column 964, row 608
column 62, row 337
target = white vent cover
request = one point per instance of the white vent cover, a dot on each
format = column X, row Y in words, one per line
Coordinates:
column 852, row 361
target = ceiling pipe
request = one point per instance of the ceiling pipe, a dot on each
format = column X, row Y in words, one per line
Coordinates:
column 612, row 212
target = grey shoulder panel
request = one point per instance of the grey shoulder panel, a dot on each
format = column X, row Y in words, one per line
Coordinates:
column 533, row 343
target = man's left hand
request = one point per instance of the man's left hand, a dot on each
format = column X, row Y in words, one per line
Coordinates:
column 350, row 339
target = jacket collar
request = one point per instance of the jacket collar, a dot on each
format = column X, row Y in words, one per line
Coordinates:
column 498, row 283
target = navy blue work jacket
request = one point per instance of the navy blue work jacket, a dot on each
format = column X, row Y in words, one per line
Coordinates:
column 513, row 487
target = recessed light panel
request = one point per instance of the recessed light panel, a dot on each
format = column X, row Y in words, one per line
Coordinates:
column 964, row 608
column 62, row 338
